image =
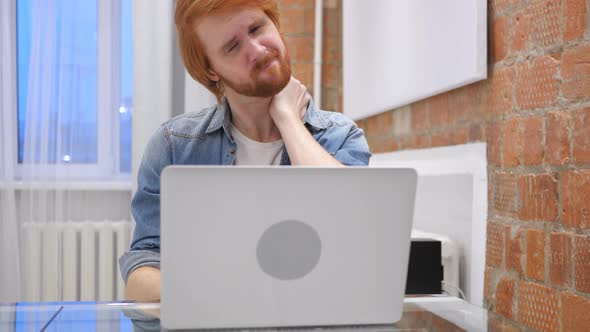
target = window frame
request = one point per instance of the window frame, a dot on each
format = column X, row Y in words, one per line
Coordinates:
column 108, row 100
column 8, row 90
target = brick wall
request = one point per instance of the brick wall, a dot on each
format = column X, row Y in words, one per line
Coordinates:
column 298, row 28
column 534, row 113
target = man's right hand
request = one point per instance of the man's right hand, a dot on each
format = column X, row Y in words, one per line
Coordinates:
column 291, row 102
column 143, row 285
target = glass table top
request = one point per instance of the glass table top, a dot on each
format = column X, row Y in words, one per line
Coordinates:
column 433, row 313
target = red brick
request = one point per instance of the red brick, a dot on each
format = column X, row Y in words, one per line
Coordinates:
column 460, row 136
column 503, row 194
column 558, row 142
column 466, row 103
column 575, row 70
column 537, row 83
column 560, row 258
column 575, row 313
column 574, row 19
column 497, row 6
column 520, row 35
column 495, row 245
column 535, row 254
column 413, row 142
column 538, row 26
column 419, row 142
column 533, row 141
column 500, row 38
column 544, row 23
column 309, row 21
column 582, row 263
column 538, row 306
column 381, row 124
column 513, row 251
column 332, row 22
column 494, row 323
column 292, row 20
column 439, row 111
column 538, row 197
column 442, row 139
column 331, row 75
column 295, row 3
column 512, row 142
column 307, row 3
column 575, row 193
column 487, row 288
column 475, row 133
column 581, row 136
column 304, row 73
column 441, row 324
column 381, row 145
column 504, row 297
column 420, row 115
column 494, row 143
column 506, row 327
column 497, row 97
column 300, row 48
column 332, row 50
column 360, row 123
column 491, row 200
column 406, row 143
column 331, row 99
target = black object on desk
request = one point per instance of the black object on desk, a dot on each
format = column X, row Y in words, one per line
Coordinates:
column 425, row 270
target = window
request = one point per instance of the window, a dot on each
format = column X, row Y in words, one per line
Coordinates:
column 73, row 86
column 126, row 86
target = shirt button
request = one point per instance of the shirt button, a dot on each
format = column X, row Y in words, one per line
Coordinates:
column 232, row 151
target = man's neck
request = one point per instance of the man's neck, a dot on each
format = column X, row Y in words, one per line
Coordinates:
column 251, row 116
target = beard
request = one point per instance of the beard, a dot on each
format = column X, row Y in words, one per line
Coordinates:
column 277, row 77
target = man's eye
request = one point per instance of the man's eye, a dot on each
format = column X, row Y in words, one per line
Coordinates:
column 233, row 47
column 254, row 29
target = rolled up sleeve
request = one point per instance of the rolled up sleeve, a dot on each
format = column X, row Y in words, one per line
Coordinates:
column 355, row 149
column 134, row 259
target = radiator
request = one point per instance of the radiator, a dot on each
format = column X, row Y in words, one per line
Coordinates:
column 73, row 261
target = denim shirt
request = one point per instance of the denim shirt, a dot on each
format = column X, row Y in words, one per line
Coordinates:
column 204, row 138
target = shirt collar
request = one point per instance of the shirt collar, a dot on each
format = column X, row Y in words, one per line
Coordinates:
column 314, row 117
column 222, row 118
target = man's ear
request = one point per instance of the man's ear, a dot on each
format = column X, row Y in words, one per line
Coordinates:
column 212, row 75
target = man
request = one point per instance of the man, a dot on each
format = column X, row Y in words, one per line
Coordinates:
column 263, row 117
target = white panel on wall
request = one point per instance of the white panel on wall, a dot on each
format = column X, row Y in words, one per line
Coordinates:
column 451, row 200
column 396, row 52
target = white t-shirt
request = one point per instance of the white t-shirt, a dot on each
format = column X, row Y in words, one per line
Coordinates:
column 250, row 152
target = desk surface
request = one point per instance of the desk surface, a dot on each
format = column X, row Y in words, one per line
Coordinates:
column 420, row 314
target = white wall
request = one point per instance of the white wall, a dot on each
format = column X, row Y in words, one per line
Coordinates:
column 398, row 52
column 196, row 96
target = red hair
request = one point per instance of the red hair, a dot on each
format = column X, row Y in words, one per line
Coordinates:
column 188, row 12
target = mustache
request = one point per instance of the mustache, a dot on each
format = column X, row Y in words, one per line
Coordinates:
column 263, row 62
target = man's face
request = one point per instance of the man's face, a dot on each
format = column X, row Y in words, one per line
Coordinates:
column 246, row 52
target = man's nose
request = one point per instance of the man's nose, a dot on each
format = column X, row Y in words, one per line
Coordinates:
column 255, row 50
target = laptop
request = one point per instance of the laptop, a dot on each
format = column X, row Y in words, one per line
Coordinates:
column 273, row 247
